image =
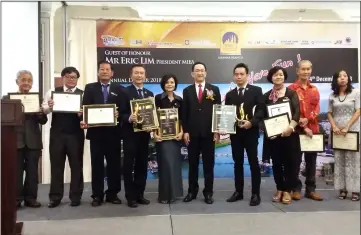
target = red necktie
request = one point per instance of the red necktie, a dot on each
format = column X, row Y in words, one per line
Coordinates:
column 200, row 93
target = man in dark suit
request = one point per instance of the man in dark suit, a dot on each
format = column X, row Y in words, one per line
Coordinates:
column 250, row 104
column 105, row 141
column 29, row 144
column 198, row 100
column 136, row 144
column 66, row 139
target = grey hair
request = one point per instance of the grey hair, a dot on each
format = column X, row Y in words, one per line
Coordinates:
column 21, row 72
column 302, row 62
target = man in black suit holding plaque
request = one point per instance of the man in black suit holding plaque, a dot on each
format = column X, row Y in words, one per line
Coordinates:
column 136, row 144
column 198, row 100
column 66, row 140
column 105, row 140
column 250, row 112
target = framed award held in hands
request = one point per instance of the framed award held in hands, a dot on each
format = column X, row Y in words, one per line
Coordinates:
column 146, row 114
column 168, row 123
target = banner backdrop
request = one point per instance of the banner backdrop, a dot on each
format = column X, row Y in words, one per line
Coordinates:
column 172, row 47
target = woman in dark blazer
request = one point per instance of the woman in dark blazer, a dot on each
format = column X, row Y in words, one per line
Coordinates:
column 284, row 149
column 169, row 156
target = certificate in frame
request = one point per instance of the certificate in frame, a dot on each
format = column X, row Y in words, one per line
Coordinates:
column 275, row 125
column 109, row 111
column 168, row 123
column 314, row 144
column 146, row 113
column 70, row 97
column 30, row 101
column 350, row 142
column 224, row 118
column 279, row 108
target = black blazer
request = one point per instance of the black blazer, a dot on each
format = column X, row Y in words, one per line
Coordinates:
column 252, row 97
column 197, row 117
column 29, row 134
column 93, row 95
column 132, row 93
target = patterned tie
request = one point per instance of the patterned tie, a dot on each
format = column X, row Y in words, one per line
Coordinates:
column 105, row 92
column 200, row 93
column 140, row 93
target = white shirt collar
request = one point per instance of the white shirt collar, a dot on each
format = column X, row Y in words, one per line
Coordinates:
column 244, row 86
column 137, row 88
column 72, row 89
column 203, row 84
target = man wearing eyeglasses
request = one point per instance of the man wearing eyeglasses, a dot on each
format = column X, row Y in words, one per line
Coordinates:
column 66, row 139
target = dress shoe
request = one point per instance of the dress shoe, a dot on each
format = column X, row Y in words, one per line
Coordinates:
column 32, row 204
column 236, row 196
column 143, row 201
column 113, row 200
column 53, row 204
column 132, row 204
column 314, row 196
column 97, row 201
column 255, row 200
column 75, row 203
column 190, row 197
column 208, row 199
column 296, row 196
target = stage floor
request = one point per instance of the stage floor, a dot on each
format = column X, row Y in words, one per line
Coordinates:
column 331, row 216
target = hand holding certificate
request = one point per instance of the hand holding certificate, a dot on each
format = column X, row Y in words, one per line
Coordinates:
column 99, row 115
column 349, row 142
column 314, row 144
column 66, row 102
column 274, row 126
column 30, row 101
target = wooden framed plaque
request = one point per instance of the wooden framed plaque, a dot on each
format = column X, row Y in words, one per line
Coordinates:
column 168, row 123
column 96, row 115
column 145, row 111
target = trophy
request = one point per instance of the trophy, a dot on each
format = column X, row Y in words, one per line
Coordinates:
column 243, row 116
column 139, row 119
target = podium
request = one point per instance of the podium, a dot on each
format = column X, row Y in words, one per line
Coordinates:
column 11, row 117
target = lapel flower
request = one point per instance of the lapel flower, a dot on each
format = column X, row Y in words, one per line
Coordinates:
column 210, row 95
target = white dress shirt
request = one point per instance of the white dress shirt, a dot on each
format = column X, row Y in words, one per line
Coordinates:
column 47, row 97
column 244, row 88
column 197, row 88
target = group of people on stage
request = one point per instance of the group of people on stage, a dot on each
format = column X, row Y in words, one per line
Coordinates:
column 195, row 114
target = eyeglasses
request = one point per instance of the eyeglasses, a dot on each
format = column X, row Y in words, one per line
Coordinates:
column 71, row 77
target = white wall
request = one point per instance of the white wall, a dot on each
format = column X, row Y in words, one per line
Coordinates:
column 20, row 46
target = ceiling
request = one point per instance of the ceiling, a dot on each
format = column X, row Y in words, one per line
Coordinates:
column 229, row 10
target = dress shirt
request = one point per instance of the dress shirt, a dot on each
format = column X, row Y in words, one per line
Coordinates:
column 197, row 88
column 244, row 88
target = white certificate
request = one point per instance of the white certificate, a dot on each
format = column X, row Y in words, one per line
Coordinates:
column 100, row 115
column 349, row 142
column 67, row 102
column 30, row 101
column 280, row 108
column 274, row 126
column 314, row 144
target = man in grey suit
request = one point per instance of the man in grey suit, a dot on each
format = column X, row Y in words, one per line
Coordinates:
column 29, row 144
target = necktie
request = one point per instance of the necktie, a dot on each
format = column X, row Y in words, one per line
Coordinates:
column 105, row 92
column 200, row 93
column 69, row 90
column 240, row 92
column 140, row 93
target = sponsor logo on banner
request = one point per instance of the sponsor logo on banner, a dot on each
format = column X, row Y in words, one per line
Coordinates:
column 109, row 40
column 188, row 42
column 230, row 43
column 151, row 43
column 135, row 42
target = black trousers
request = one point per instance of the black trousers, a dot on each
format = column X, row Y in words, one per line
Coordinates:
column 198, row 145
column 111, row 150
column 310, row 160
column 28, row 160
column 284, row 153
column 63, row 145
column 136, row 151
column 246, row 140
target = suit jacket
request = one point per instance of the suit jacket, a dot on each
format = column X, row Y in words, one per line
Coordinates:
column 253, row 99
column 93, row 94
column 132, row 93
column 197, row 117
column 29, row 134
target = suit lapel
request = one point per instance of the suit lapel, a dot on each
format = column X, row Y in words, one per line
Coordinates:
column 204, row 95
column 193, row 93
column 99, row 93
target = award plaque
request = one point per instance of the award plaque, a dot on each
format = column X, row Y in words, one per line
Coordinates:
column 274, row 126
column 30, row 101
column 65, row 102
column 97, row 115
column 279, row 108
column 145, row 111
column 223, row 118
column 168, row 123
column 314, row 144
column 349, row 142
